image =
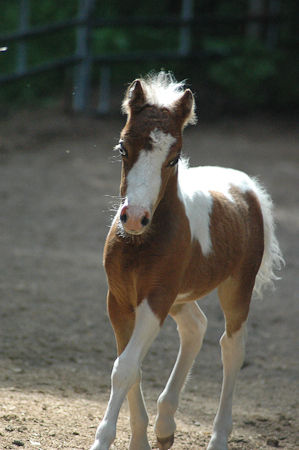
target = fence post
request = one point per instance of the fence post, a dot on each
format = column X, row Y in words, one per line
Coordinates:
column 104, row 95
column 185, row 32
column 22, row 46
column 271, row 38
column 83, row 51
column 254, row 29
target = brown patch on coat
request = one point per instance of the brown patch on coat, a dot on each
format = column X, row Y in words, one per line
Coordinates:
column 235, row 293
column 151, row 265
column 164, row 263
column 236, row 230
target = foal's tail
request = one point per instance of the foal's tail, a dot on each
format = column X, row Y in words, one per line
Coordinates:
column 272, row 258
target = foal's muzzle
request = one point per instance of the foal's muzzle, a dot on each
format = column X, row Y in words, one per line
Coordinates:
column 134, row 219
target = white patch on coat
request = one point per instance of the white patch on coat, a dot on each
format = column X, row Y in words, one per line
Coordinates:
column 195, row 186
column 144, row 179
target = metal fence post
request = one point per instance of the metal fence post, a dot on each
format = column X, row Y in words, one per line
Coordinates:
column 254, row 28
column 22, row 46
column 83, row 51
column 272, row 32
column 185, row 32
column 104, row 97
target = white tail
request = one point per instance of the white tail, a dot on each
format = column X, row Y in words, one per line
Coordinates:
column 272, row 258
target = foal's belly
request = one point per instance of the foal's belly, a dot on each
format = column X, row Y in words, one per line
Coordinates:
column 196, row 294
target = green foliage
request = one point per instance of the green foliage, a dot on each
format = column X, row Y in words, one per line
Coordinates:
column 38, row 49
column 247, row 70
column 9, row 16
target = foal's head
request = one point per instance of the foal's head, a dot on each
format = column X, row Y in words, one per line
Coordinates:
column 150, row 144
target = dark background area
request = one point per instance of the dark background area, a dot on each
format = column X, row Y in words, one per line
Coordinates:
column 233, row 60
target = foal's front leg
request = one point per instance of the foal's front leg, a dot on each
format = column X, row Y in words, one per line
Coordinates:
column 126, row 372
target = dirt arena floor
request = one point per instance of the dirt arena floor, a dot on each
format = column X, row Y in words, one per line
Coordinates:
column 57, row 188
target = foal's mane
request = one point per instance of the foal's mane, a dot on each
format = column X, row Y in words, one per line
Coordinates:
column 161, row 90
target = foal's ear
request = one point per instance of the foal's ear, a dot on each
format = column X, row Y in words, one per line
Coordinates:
column 135, row 97
column 184, row 107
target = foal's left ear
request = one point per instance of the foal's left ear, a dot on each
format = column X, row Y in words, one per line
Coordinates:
column 184, row 107
column 135, row 97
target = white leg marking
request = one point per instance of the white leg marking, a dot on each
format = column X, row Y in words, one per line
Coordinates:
column 192, row 325
column 125, row 373
column 233, row 353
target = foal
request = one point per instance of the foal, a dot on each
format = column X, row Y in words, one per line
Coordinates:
column 179, row 233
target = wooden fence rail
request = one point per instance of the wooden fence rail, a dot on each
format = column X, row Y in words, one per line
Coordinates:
column 83, row 60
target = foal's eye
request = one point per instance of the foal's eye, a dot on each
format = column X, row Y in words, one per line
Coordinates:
column 122, row 150
column 174, row 161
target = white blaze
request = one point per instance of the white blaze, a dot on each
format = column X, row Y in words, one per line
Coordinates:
column 144, row 179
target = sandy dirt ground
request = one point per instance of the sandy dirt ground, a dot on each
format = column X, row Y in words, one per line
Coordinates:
column 57, row 187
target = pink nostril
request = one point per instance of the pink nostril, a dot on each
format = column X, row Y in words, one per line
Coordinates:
column 123, row 214
column 145, row 219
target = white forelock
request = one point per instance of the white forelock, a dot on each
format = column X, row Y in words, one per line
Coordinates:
column 162, row 90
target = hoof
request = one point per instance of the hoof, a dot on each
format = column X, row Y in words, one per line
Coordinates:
column 165, row 443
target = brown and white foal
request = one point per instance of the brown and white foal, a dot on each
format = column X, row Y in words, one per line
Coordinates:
column 178, row 234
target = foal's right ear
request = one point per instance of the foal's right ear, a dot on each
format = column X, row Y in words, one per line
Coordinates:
column 185, row 108
column 135, row 97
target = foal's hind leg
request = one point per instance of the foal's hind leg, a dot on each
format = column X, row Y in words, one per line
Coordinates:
column 235, row 304
column 138, row 418
column 192, row 325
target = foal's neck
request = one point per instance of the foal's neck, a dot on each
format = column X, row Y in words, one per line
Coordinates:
column 170, row 212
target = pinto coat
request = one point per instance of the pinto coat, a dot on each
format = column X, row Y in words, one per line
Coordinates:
column 179, row 233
